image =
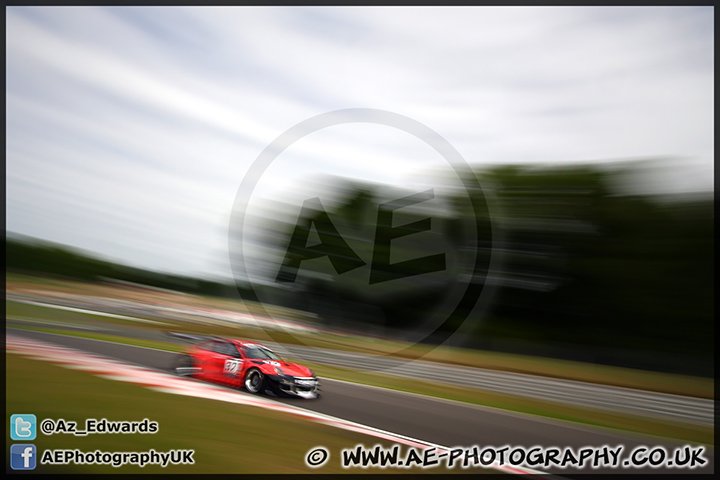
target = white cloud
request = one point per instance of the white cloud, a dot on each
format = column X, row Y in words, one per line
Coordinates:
column 129, row 129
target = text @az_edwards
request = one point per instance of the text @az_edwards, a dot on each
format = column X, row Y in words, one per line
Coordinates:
column 95, row 426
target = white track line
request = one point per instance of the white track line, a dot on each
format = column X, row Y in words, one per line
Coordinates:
column 89, row 312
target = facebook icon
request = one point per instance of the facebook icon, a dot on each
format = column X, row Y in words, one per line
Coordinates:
column 22, row 456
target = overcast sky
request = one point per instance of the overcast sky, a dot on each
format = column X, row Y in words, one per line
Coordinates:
column 130, row 129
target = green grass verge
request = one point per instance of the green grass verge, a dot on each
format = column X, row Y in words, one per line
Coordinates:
column 138, row 342
column 226, row 438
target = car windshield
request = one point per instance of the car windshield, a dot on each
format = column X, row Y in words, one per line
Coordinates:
column 260, row 353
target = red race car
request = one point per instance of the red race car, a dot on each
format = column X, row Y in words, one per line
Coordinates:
column 239, row 363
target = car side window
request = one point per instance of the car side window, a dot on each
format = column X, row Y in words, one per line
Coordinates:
column 221, row 348
column 227, row 348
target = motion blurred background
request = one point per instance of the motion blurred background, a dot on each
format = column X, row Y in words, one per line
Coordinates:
column 590, row 130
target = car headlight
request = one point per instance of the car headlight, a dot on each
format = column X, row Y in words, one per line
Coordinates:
column 278, row 371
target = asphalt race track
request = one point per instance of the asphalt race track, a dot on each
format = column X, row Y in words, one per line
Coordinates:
column 441, row 422
column 572, row 392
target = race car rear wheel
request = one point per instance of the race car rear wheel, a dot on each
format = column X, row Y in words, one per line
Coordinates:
column 254, row 381
column 185, row 366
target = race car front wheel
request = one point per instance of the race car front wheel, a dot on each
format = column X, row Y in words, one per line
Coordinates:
column 254, row 381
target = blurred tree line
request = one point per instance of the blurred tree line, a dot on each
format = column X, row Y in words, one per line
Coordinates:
column 588, row 267
column 35, row 257
column 589, row 271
